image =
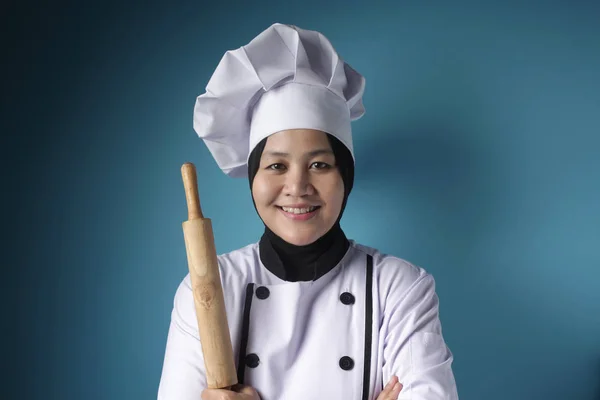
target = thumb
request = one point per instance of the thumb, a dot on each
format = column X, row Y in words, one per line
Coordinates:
column 245, row 389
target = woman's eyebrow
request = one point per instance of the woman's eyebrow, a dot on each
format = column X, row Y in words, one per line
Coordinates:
column 313, row 153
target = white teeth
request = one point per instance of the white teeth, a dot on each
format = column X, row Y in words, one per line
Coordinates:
column 298, row 210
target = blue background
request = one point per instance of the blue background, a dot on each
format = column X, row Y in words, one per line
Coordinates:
column 478, row 159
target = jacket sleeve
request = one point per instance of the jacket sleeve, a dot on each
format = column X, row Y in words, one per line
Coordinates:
column 183, row 376
column 414, row 348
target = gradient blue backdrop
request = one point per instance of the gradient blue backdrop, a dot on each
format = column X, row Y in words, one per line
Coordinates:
column 478, row 159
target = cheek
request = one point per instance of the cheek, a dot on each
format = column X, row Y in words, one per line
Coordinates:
column 335, row 192
column 262, row 191
column 339, row 196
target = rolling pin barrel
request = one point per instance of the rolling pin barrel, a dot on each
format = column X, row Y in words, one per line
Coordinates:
column 207, row 290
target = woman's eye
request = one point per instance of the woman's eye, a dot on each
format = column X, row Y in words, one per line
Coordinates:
column 320, row 165
column 276, row 166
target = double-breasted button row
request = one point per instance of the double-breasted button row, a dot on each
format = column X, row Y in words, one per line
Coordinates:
column 346, row 298
column 252, row 360
column 347, row 363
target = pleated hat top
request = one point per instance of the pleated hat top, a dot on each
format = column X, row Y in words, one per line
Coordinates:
column 285, row 78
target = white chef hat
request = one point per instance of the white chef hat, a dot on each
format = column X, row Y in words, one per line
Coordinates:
column 285, row 78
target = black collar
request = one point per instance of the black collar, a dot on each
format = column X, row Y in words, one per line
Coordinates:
column 303, row 263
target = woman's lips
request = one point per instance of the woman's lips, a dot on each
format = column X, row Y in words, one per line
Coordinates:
column 300, row 217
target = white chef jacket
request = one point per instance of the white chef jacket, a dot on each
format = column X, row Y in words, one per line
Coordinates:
column 341, row 336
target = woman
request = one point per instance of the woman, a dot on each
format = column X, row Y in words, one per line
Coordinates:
column 311, row 313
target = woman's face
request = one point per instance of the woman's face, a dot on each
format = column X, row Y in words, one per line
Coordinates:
column 298, row 190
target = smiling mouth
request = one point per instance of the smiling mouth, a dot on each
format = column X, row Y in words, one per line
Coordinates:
column 299, row 211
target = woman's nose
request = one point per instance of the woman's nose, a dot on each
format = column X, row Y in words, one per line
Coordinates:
column 298, row 183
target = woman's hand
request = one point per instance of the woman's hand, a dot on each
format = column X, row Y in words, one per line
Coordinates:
column 237, row 392
column 391, row 390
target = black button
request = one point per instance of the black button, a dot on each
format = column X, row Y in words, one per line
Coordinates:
column 252, row 360
column 347, row 298
column 346, row 363
column 262, row 292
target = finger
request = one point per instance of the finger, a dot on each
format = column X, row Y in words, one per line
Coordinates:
column 396, row 391
column 391, row 383
column 217, row 394
column 209, row 394
column 387, row 390
column 393, row 380
column 249, row 390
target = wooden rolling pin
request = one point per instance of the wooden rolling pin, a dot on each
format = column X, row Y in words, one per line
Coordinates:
column 207, row 290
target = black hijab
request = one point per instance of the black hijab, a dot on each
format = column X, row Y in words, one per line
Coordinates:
column 304, row 263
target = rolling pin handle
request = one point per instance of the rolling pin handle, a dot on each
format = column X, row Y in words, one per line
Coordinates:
column 190, row 183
